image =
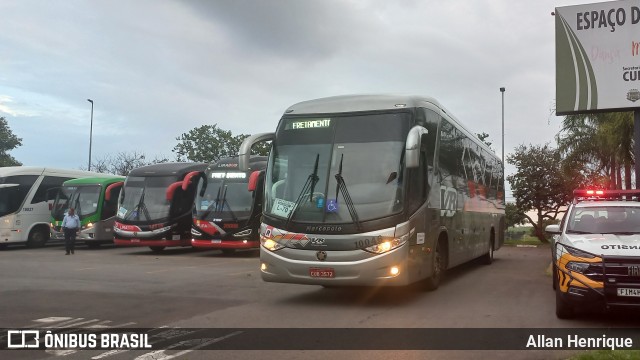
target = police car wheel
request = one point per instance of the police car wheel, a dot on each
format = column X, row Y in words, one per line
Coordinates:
column 564, row 310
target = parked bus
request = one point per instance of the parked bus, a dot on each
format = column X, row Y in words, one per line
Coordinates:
column 229, row 206
column 155, row 206
column 376, row 190
column 25, row 197
column 95, row 201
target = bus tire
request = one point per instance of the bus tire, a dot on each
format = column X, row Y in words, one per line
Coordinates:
column 37, row 237
column 487, row 258
column 439, row 265
column 156, row 248
column 564, row 310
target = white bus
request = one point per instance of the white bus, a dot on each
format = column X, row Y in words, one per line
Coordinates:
column 26, row 194
column 375, row 190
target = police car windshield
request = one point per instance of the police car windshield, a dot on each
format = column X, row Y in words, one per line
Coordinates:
column 621, row 220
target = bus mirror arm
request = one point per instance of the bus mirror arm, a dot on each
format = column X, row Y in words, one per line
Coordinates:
column 413, row 146
column 172, row 189
column 244, row 153
column 253, row 181
column 187, row 179
column 107, row 192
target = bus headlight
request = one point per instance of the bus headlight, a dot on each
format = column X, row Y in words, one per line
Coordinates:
column 387, row 244
column 89, row 225
column 243, row 233
column 270, row 244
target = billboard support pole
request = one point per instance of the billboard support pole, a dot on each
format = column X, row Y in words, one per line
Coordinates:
column 636, row 144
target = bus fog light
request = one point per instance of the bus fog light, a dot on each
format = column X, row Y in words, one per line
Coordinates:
column 263, row 267
column 394, row 270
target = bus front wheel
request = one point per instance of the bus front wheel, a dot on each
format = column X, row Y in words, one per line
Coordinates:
column 438, row 266
column 37, row 238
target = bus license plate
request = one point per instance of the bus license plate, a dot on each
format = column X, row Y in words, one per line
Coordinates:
column 216, row 241
column 135, row 240
column 629, row 292
column 322, row 272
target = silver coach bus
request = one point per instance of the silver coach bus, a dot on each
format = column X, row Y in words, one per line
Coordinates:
column 375, row 190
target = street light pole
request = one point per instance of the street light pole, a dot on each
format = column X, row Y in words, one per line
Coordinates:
column 502, row 91
column 90, row 134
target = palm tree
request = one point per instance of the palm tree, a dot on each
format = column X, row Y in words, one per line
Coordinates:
column 602, row 143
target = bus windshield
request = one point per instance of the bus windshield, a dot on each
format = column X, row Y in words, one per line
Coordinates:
column 312, row 156
column 144, row 198
column 84, row 199
column 226, row 196
column 13, row 190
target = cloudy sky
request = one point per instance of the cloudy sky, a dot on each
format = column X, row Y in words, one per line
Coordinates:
column 157, row 69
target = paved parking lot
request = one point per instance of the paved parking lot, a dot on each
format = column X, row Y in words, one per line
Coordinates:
column 186, row 288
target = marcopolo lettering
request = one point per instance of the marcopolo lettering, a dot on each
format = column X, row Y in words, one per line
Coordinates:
column 324, row 228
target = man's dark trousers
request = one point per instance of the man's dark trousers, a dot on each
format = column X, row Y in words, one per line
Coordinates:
column 70, row 239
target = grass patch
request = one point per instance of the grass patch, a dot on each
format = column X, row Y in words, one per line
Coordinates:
column 608, row 355
column 526, row 240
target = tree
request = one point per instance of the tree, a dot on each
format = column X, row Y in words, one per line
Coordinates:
column 541, row 183
column 8, row 142
column 603, row 146
column 513, row 216
column 483, row 138
column 123, row 162
column 208, row 144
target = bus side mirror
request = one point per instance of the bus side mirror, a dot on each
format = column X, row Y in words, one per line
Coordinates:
column 172, row 189
column 244, row 154
column 107, row 192
column 253, row 181
column 187, row 179
column 413, row 146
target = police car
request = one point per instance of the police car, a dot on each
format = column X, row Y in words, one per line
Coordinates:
column 596, row 255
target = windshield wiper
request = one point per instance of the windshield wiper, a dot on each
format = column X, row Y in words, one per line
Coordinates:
column 309, row 185
column 224, row 201
column 341, row 187
column 141, row 207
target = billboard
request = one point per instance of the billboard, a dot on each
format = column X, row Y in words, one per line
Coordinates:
column 598, row 57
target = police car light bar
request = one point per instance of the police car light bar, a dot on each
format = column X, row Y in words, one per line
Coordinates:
column 605, row 194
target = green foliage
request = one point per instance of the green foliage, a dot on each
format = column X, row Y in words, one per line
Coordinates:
column 123, row 162
column 208, row 143
column 8, row 142
column 483, row 138
column 513, row 216
column 541, row 183
column 600, row 146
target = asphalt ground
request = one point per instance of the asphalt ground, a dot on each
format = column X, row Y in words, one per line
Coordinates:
column 185, row 288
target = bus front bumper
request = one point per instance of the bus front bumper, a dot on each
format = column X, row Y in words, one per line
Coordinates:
column 379, row 270
column 225, row 244
column 150, row 242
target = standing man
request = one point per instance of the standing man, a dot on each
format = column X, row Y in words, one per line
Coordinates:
column 70, row 226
